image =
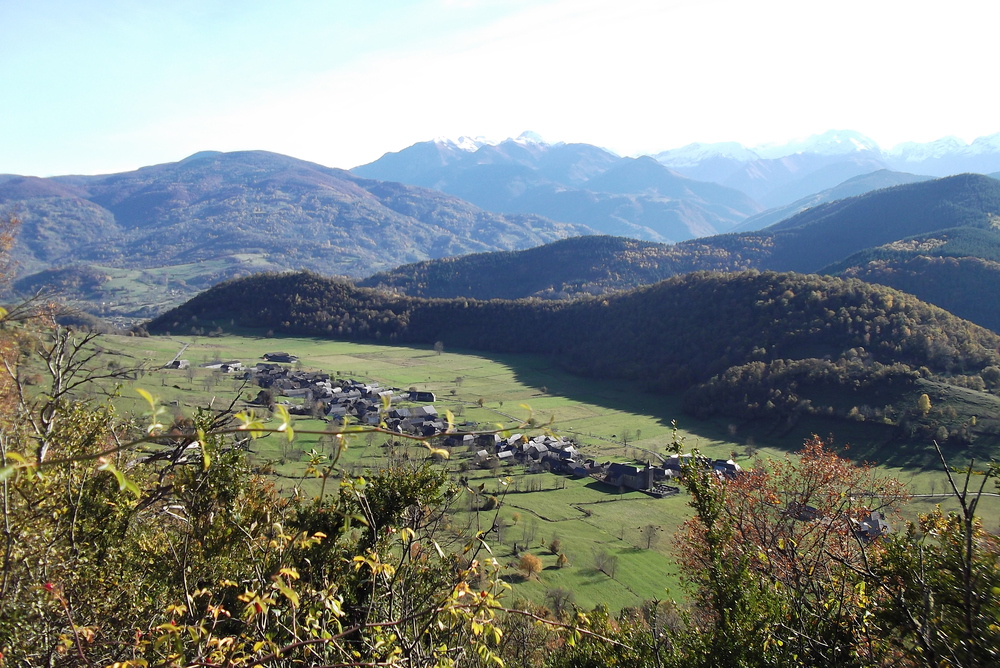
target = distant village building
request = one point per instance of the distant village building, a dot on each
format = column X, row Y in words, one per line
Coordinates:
column 284, row 358
column 630, row 476
column 872, row 527
column 726, row 467
column 226, row 367
column 803, row 512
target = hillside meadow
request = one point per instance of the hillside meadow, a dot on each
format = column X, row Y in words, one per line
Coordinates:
column 611, row 420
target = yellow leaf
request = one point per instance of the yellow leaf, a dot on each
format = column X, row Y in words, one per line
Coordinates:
column 17, row 457
column 147, row 396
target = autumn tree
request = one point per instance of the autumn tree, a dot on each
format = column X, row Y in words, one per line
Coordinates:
column 774, row 555
column 941, row 578
column 529, row 565
column 163, row 525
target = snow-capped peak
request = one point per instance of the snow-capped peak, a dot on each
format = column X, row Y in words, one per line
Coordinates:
column 945, row 147
column 693, row 154
column 529, row 137
column 917, row 152
column 831, row 142
column 473, row 144
column 464, row 143
column 987, row 144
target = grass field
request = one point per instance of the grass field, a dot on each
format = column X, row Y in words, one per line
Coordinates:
column 610, row 420
column 131, row 296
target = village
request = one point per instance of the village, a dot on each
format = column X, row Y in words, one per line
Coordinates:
column 319, row 395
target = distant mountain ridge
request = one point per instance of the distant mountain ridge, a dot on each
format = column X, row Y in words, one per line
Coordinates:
column 824, row 234
column 573, row 183
column 857, row 185
column 294, row 213
column 777, row 174
column 568, row 182
column 952, row 217
column 588, row 265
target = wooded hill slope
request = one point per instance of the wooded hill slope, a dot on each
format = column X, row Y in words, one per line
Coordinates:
column 579, row 265
column 830, row 232
column 748, row 344
column 954, row 217
column 852, row 187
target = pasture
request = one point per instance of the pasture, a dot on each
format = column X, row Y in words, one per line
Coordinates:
column 598, row 528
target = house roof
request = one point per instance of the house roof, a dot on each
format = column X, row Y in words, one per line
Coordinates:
column 623, row 469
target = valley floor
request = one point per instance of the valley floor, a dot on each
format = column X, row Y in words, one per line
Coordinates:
column 594, row 523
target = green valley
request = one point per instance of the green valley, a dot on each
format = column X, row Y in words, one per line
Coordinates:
column 611, row 420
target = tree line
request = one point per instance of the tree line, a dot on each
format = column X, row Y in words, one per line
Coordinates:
column 705, row 333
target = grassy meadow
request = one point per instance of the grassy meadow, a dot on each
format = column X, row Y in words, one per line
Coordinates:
column 611, row 420
column 133, row 295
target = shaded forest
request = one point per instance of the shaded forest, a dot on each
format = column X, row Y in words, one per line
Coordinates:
column 704, row 333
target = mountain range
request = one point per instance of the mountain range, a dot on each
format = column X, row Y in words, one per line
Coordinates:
column 573, row 183
column 751, row 343
column 778, row 174
column 279, row 212
column 169, row 230
column 705, row 188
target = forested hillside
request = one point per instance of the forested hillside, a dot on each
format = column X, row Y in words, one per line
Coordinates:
column 830, row 232
column 957, row 242
column 579, row 265
column 290, row 213
column 953, row 217
column 852, row 187
column 747, row 344
column 968, row 285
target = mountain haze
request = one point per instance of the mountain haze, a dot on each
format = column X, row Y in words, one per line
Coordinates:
column 575, row 183
column 857, row 185
column 778, row 174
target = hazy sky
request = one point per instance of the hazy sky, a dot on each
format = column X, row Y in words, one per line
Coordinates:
column 102, row 85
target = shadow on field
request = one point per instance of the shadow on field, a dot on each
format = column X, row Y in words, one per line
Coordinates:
column 862, row 442
column 859, row 441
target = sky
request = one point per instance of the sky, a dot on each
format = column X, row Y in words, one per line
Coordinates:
column 111, row 85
